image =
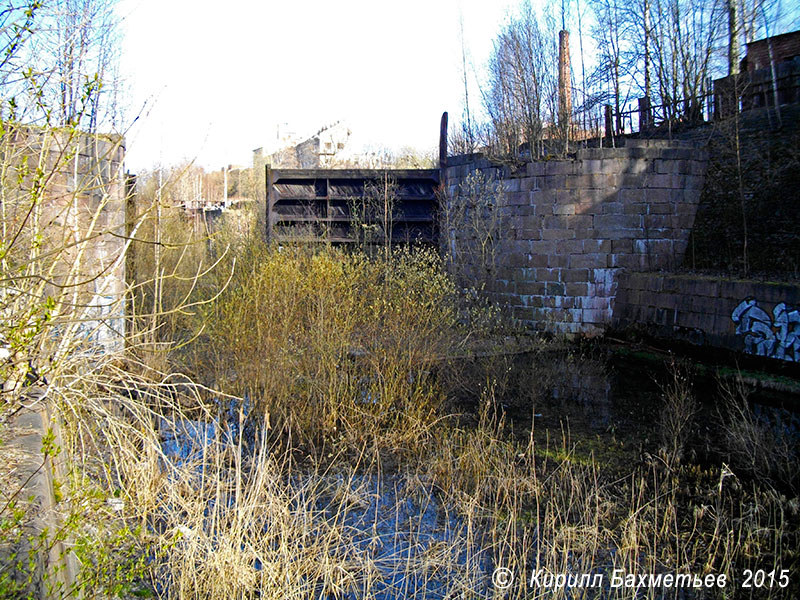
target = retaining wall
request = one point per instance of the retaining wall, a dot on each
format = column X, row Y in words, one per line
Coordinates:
column 755, row 317
column 64, row 192
column 567, row 228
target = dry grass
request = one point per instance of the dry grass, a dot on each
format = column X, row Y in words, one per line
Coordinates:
column 760, row 446
column 229, row 517
column 311, row 455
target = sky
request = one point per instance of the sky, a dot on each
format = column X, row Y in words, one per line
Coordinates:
column 210, row 82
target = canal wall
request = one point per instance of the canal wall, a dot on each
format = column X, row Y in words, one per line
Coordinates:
column 554, row 242
column 65, row 196
column 755, row 317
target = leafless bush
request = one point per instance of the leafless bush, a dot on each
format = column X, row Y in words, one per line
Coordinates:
column 758, row 446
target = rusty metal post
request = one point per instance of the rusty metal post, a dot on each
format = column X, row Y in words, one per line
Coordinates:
column 609, row 124
column 645, row 116
column 443, row 145
column 268, row 220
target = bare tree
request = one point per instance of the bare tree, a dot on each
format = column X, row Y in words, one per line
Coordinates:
column 73, row 59
column 609, row 32
column 686, row 34
column 521, row 80
column 472, row 229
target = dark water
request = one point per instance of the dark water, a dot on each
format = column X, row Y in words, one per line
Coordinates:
column 610, row 402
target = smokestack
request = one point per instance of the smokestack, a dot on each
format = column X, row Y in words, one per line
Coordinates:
column 564, row 80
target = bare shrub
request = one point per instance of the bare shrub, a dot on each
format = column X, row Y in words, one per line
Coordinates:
column 472, row 227
column 756, row 445
column 677, row 414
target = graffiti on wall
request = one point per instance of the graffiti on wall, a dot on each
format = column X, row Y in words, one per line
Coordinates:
column 776, row 336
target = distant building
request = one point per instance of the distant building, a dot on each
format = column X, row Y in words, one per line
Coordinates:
column 785, row 48
column 321, row 150
column 761, row 83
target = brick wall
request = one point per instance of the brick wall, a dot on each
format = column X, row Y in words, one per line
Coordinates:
column 784, row 47
column 759, row 318
column 567, row 228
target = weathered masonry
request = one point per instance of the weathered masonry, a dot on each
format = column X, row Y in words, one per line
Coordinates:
column 758, row 317
column 70, row 213
column 568, row 228
column 335, row 205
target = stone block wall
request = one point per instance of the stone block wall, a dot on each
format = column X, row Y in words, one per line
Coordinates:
column 567, row 228
column 755, row 317
column 64, row 191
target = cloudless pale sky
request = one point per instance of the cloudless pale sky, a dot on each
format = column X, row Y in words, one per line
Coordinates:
column 212, row 81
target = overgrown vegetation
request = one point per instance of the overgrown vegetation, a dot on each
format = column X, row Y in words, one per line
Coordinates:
column 295, row 422
column 312, row 445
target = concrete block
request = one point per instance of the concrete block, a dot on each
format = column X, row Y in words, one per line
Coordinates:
column 535, row 169
column 654, row 223
column 590, row 166
column 601, row 153
column 694, row 182
column 548, row 274
column 560, row 167
column 573, row 275
column 538, row 260
column 632, row 180
column 613, row 208
column 517, row 198
column 577, row 289
column 658, row 196
column 554, row 182
column 514, row 260
column 625, row 261
column 634, row 208
column 656, row 180
column 558, row 260
column 526, row 210
column 621, row 246
column 543, row 199
column 564, row 209
column 632, row 195
column 544, row 247
column 596, row 196
column 535, row 301
column 678, row 181
column 642, row 153
column 558, row 234
column 616, row 222
column 580, row 222
column 661, row 165
column 596, row 316
column 660, row 208
column 656, row 143
column 599, row 245
column 567, row 247
column 555, row 288
column 705, row 287
column 531, row 288
column 556, row 222
column 633, row 165
column 588, row 261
